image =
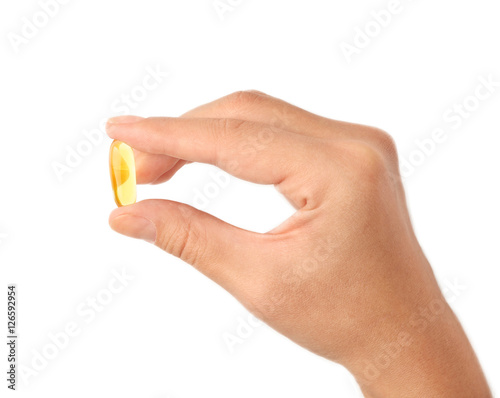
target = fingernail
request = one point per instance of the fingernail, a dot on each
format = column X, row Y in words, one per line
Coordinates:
column 134, row 227
column 124, row 119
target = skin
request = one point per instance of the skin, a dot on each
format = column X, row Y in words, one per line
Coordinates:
column 345, row 276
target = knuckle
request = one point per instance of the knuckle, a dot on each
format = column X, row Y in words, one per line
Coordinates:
column 365, row 160
column 226, row 129
column 241, row 99
column 385, row 142
column 174, row 240
column 190, row 248
column 220, row 135
column 258, row 93
column 184, row 241
column 231, row 126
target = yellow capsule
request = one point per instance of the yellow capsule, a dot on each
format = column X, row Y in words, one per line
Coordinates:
column 122, row 170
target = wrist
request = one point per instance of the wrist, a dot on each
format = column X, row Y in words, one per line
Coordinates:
column 424, row 353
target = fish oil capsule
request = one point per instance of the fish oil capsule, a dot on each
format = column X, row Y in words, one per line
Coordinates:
column 122, row 170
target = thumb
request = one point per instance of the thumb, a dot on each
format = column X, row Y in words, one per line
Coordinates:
column 221, row 251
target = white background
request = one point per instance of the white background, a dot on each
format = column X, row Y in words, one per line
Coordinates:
column 162, row 335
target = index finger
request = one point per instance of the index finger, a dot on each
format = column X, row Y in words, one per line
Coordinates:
column 248, row 150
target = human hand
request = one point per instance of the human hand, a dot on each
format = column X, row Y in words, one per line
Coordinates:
column 345, row 276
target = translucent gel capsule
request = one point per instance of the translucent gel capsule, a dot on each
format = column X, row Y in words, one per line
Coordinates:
column 122, row 170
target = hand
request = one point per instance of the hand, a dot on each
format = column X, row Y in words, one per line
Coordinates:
column 345, row 276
